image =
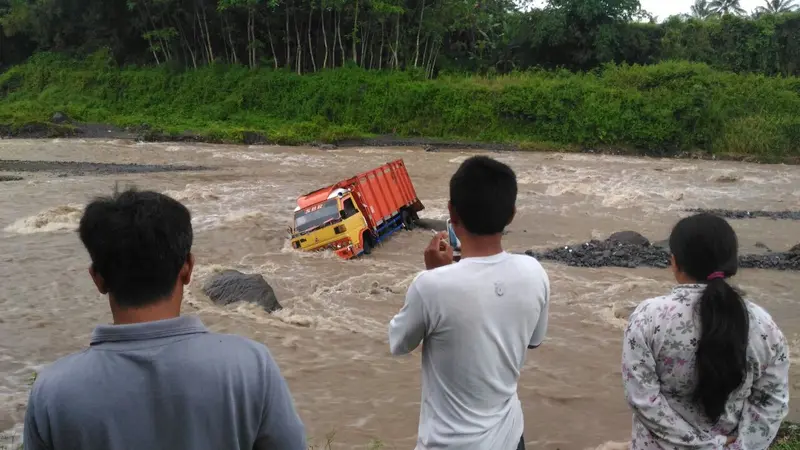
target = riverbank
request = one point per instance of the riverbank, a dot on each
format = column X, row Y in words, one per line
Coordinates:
column 670, row 109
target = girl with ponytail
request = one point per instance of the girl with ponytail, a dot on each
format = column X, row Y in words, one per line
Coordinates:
column 702, row 367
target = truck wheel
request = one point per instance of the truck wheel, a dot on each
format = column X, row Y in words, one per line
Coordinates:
column 408, row 221
column 367, row 245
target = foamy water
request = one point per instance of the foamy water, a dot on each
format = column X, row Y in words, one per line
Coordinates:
column 330, row 338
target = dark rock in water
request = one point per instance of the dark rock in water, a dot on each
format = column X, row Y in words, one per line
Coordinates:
column 59, row 117
column 432, row 224
column 664, row 245
column 629, row 237
column 233, row 286
column 430, row 148
column 322, row 146
column 737, row 214
column 253, row 138
column 795, row 250
column 763, row 246
column 9, row 178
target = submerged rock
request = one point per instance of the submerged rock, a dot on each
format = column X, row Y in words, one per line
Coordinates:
column 432, row 224
column 629, row 237
column 233, row 286
column 430, row 148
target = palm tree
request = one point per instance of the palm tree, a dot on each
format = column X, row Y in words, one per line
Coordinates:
column 725, row 7
column 776, row 7
column 700, row 9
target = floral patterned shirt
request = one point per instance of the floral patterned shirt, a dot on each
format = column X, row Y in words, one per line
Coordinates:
column 658, row 367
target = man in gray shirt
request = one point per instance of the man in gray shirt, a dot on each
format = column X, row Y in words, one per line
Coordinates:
column 156, row 379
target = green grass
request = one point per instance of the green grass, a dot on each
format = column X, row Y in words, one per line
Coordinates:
column 663, row 109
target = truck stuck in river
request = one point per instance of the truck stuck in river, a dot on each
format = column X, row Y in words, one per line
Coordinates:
column 354, row 215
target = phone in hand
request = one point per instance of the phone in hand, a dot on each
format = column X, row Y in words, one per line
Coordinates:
column 452, row 238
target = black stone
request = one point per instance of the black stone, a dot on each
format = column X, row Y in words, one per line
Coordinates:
column 629, row 237
column 233, row 286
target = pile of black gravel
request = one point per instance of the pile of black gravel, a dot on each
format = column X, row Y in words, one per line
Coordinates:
column 611, row 253
column 773, row 261
column 606, row 253
column 738, row 214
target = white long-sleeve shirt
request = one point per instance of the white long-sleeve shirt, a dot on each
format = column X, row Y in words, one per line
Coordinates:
column 476, row 318
column 658, row 371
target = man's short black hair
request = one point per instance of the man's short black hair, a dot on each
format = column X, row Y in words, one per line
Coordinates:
column 138, row 242
column 483, row 193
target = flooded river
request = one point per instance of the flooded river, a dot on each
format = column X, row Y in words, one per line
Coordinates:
column 331, row 337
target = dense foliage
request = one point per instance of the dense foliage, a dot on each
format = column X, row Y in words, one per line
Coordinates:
column 656, row 109
column 434, row 36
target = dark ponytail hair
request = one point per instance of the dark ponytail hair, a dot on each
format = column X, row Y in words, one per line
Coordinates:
column 705, row 248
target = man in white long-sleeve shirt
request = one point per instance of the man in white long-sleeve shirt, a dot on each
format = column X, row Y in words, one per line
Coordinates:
column 476, row 318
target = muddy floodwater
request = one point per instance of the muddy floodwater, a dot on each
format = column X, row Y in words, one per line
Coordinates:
column 331, row 337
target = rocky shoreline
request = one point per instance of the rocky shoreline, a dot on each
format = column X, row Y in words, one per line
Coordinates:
column 80, row 168
column 739, row 214
column 630, row 250
column 61, row 126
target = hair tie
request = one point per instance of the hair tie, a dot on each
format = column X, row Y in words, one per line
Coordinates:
column 716, row 275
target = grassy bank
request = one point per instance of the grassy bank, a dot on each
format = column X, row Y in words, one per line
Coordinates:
column 659, row 109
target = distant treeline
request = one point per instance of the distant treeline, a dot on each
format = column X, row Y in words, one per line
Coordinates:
column 433, row 36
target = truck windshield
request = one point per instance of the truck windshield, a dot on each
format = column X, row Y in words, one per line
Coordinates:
column 305, row 221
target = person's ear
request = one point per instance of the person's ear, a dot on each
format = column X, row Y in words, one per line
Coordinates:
column 454, row 219
column 186, row 271
column 673, row 266
column 99, row 282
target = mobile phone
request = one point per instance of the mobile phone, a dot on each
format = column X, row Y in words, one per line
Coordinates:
column 453, row 239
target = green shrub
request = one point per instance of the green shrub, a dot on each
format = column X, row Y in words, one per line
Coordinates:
column 661, row 108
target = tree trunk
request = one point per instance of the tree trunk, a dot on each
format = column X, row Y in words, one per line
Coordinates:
column 272, row 44
column 339, row 29
column 288, row 40
column 432, row 63
column 335, row 38
column 251, row 29
column 419, row 29
column 380, row 50
column 355, row 34
column 310, row 46
column 364, row 44
column 425, row 55
column 234, row 56
column 299, row 60
column 208, row 38
column 324, row 35
column 397, row 43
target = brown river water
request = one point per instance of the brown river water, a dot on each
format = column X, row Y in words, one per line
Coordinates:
column 331, row 338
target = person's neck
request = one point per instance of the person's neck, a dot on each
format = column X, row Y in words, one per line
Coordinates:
column 481, row 246
column 160, row 310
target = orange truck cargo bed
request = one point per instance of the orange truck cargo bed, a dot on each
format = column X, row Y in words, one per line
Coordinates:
column 383, row 197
